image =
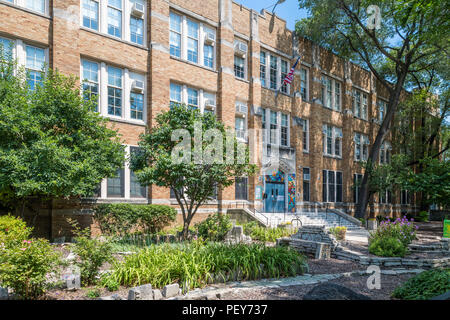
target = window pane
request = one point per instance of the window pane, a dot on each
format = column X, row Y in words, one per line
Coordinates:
column 262, row 61
column 273, row 72
column 137, row 106
column 175, row 92
column 36, row 5
column 90, row 14
column 241, row 189
column 208, row 52
column 137, row 30
column 175, row 44
column 35, row 58
column 136, row 190
column 114, row 76
column 114, row 22
column 239, row 69
column 116, row 186
column 192, row 97
column 175, row 22
column 6, row 49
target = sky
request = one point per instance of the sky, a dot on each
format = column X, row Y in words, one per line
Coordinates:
column 288, row 10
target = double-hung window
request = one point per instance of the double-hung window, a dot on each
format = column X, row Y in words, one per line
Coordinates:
column 284, row 73
column 137, row 106
column 240, row 128
column 331, row 93
column 175, row 35
column 304, row 83
column 6, row 49
column 208, row 49
column 34, row 65
column 332, row 141
column 239, row 67
column 382, row 109
column 361, row 147
column 357, row 179
column 241, row 188
column 385, row 153
column 90, row 81
column 192, row 98
column 137, row 30
column 175, row 94
column 116, row 185
column 264, row 125
column 90, row 11
column 332, row 186
column 405, row 197
column 136, row 189
column 284, row 130
column 115, row 18
column 305, row 140
column 263, row 67
column 360, row 104
column 273, row 128
column 114, row 91
column 306, row 182
column 273, row 72
column 192, row 41
column 385, row 197
column 36, row 5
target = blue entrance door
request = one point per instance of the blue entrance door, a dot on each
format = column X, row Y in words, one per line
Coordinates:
column 275, row 200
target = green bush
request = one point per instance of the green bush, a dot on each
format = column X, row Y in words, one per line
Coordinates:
column 387, row 247
column 25, row 262
column 91, row 254
column 122, row 218
column 338, row 232
column 263, row 234
column 196, row 264
column 401, row 229
column 214, row 228
column 422, row 216
column 93, row 293
column 424, row 286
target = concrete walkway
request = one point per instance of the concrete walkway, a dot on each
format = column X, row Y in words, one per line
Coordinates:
column 357, row 235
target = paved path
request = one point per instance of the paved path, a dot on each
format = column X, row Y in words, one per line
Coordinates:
column 358, row 235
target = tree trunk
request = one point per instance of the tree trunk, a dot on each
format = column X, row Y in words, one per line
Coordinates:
column 375, row 150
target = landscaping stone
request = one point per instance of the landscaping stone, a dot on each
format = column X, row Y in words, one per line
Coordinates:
column 171, row 290
column 72, row 281
column 331, row 291
column 112, row 297
column 157, row 295
column 4, row 294
column 143, row 292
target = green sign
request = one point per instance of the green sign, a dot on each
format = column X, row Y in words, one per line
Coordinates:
column 446, row 228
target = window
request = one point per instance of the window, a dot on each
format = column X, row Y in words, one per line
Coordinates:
column 405, row 197
column 273, row 127
column 273, row 72
column 306, row 182
column 284, row 130
column 175, row 35
column 385, row 153
column 34, row 65
column 36, row 5
column 90, row 14
column 304, row 83
column 208, row 49
column 284, row 73
column 262, row 68
column 240, row 128
column 331, row 93
column 360, row 104
column 357, row 180
column 137, row 30
column 137, row 106
column 116, row 185
column 114, row 91
column 382, row 109
column 192, row 98
column 175, row 94
column 210, row 102
column 305, row 140
column 6, row 49
column 385, row 197
column 90, row 81
column 332, row 141
column 361, row 147
column 241, row 189
column 136, row 190
column 332, row 186
column 115, row 18
column 192, row 41
column 264, row 125
column 239, row 67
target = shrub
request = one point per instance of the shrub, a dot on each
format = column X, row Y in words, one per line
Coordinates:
column 110, row 284
column 422, row 216
column 25, row 262
column 339, row 232
column 214, row 228
column 91, row 254
column 387, row 247
column 424, row 286
column 122, row 218
column 195, row 264
column 401, row 229
column 266, row 234
column 93, row 293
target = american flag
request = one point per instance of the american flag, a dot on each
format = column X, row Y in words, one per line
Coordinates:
column 290, row 77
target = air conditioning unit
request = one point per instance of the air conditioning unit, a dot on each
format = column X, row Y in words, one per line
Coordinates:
column 210, row 38
column 242, row 110
column 137, row 86
column 240, row 49
column 210, row 104
column 138, row 10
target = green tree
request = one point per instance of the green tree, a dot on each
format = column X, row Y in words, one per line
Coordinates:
column 194, row 180
column 53, row 144
column 411, row 37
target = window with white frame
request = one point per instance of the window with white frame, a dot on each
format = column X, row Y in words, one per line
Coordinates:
column 90, row 72
column 306, row 184
column 331, row 93
column 263, row 68
column 273, row 128
column 264, row 125
column 90, row 14
column 137, row 30
column 241, row 188
column 239, row 67
column 284, row 73
column 357, row 180
column 273, row 72
column 385, row 153
column 192, row 41
column 405, row 197
column 115, row 91
column 332, row 190
column 36, row 5
column 240, row 128
column 304, row 83
column 385, row 197
column 137, row 104
column 382, row 109
column 34, row 65
column 332, row 141
column 361, row 147
column 116, row 185
column 6, row 48
column 284, row 130
column 175, row 94
column 136, row 189
column 360, row 104
column 305, row 133
column 209, row 102
column 192, row 97
column 115, row 18
column 240, row 59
